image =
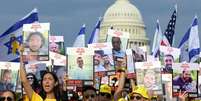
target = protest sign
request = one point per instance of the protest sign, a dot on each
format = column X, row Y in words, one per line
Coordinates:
column 144, row 74
column 80, row 64
column 185, row 78
column 9, row 76
column 103, row 59
column 36, row 40
column 56, row 44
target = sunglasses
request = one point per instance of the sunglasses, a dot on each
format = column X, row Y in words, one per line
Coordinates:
column 92, row 96
column 106, row 95
column 6, row 98
column 30, row 78
column 136, row 97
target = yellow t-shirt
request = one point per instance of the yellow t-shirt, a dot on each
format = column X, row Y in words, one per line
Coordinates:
column 36, row 97
column 25, row 98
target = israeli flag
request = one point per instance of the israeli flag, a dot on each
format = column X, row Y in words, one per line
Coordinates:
column 190, row 44
column 194, row 42
column 11, row 39
column 80, row 39
column 183, row 46
column 95, row 33
column 157, row 40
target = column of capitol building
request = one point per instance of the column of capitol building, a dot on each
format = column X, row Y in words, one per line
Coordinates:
column 124, row 16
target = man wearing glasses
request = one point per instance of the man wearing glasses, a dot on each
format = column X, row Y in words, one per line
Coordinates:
column 89, row 93
column 140, row 93
column 105, row 93
column 8, row 95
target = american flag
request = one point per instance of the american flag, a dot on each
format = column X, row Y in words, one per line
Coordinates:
column 169, row 32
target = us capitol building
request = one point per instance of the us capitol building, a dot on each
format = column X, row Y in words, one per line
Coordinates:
column 124, row 16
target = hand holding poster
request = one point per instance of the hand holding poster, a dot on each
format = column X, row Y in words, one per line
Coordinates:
column 185, row 78
column 36, row 39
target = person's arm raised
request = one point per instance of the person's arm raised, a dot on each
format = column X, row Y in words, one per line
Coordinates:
column 27, row 87
column 117, row 93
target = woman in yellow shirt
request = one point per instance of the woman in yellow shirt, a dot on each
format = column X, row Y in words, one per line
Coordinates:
column 50, row 87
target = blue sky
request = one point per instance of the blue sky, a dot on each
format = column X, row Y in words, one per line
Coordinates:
column 67, row 16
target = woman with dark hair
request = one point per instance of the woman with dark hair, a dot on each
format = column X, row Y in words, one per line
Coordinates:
column 49, row 83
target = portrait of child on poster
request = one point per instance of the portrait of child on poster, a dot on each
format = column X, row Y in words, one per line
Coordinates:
column 80, row 63
column 185, row 78
column 144, row 74
column 36, row 40
column 56, row 44
column 8, row 75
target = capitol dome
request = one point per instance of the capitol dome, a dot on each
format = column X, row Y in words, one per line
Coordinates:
column 124, row 16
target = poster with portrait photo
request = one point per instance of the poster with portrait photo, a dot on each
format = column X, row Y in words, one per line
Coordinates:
column 145, row 77
column 120, row 37
column 130, row 64
column 80, row 63
column 56, row 44
column 9, row 76
column 36, row 40
column 167, row 86
column 103, row 59
column 139, row 54
column 185, row 78
column 168, row 56
column 36, row 68
column 175, row 52
column 57, row 59
column 61, row 72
